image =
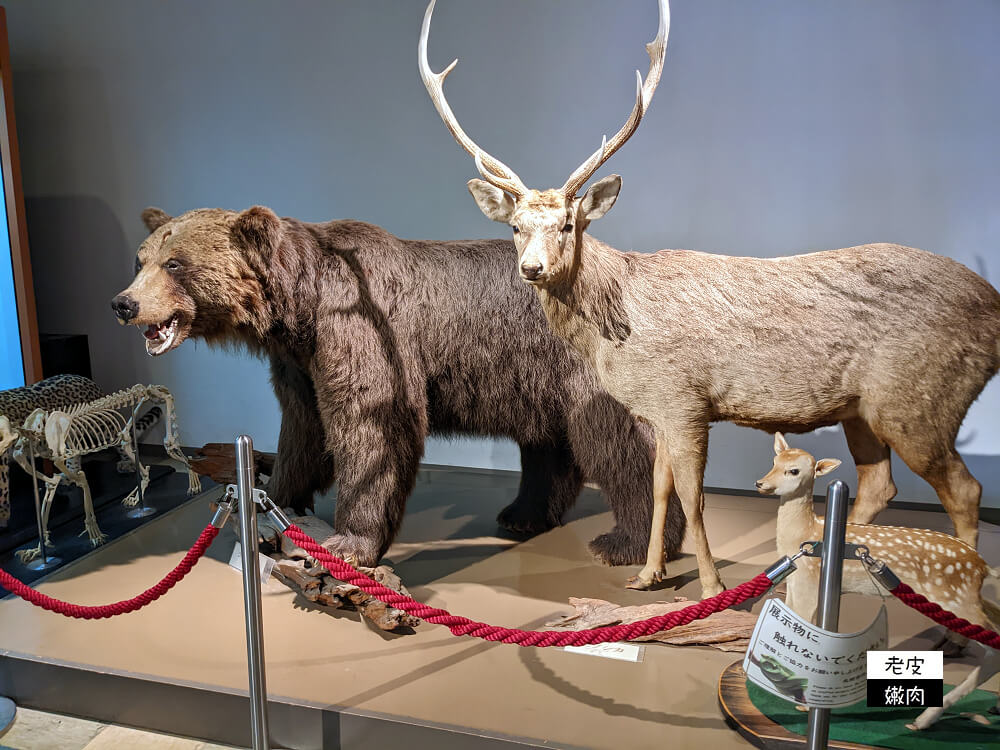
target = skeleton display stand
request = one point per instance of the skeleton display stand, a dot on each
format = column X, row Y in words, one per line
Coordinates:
column 141, row 510
column 44, row 561
column 65, row 436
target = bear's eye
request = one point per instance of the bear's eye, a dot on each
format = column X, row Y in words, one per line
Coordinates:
column 138, row 265
column 793, row 472
column 172, row 265
column 516, row 229
column 568, row 228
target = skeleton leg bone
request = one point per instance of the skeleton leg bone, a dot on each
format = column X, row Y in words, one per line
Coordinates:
column 77, row 477
column 170, row 440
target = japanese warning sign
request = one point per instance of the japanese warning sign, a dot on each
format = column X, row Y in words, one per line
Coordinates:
column 800, row 662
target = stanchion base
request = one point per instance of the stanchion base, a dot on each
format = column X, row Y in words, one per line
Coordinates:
column 8, row 710
column 47, row 563
column 141, row 512
column 756, row 728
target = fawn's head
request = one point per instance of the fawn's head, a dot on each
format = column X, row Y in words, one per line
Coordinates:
column 794, row 470
column 548, row 225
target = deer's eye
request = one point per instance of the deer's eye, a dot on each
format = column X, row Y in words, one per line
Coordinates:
column 516, row 230
column 568, row 228
column 793, row 472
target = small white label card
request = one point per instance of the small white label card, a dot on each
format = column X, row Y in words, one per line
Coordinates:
column 620, row 651
column 266, row 563
column 803, row 663
column 905, row 678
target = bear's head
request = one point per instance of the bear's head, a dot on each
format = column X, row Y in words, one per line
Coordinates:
column 200, row 274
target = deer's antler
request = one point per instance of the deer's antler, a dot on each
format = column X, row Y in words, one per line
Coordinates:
column 643, row 95
column 492, row 170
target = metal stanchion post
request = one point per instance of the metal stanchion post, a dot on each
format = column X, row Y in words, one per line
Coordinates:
column 831, row 575
column 143, row 510
column 43, row 562
column 251, row 591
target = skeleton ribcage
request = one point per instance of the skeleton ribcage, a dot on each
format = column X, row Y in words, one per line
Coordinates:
column 92, row 431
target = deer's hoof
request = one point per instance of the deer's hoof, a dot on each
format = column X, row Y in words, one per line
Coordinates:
column 644, row 580
column 707, row 592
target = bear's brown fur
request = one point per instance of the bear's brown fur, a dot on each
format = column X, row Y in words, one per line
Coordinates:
column 375, row 342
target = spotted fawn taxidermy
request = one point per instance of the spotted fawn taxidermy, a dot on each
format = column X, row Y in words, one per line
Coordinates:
column 939, row 566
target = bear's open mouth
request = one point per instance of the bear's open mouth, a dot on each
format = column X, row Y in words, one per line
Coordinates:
column 160, row 338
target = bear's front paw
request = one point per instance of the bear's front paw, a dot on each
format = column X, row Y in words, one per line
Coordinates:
column 618, row 548
column 356, row 550
column 525, row 517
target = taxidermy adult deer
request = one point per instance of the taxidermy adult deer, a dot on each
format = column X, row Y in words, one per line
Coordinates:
column 893, row 343
column 942, row 568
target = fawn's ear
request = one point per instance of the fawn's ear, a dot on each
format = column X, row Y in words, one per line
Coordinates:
column 826, row 465
column 780, row 444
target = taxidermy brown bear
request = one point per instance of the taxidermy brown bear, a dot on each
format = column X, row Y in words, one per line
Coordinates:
column 375, row 342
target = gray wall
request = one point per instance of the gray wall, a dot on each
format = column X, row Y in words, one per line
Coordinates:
column 779, row 126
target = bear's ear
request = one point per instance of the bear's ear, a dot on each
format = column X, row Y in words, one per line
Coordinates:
column 257, row 229
column 154, row 218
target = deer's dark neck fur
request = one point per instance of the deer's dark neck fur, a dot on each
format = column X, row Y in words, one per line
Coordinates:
column 586, row 308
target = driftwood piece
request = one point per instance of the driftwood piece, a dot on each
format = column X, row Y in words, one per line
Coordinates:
column 729, row 630
column 218, row 462
column 295, row 568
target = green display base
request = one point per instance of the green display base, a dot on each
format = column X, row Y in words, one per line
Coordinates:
column 768, row 721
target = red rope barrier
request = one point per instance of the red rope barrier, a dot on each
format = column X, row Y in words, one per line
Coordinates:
column 342, row 571
column 148, row 596
column 942, row 616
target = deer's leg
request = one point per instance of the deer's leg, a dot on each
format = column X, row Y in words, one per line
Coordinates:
column 688, row 448
column 955, row 486
column 960, row 494
column 663, row 486
column 621, row 464
column 873, row 460
column 988, row 667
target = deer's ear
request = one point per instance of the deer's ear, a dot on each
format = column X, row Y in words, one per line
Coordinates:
column 492, row 201
column 826, row 465
column 601, row 196
column 780, row 444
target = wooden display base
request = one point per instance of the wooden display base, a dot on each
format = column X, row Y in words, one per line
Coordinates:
column 755, row 727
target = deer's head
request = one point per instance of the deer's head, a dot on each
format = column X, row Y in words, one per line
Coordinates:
column 794, row 471
column 548, row 225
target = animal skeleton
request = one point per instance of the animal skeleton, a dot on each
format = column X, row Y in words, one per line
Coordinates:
column 65, row 436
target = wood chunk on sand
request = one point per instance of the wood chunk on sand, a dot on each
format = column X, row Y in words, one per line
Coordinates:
column 295, row 568
column 729, row 630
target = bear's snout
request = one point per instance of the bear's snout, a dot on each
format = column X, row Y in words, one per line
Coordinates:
column 125, row 308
